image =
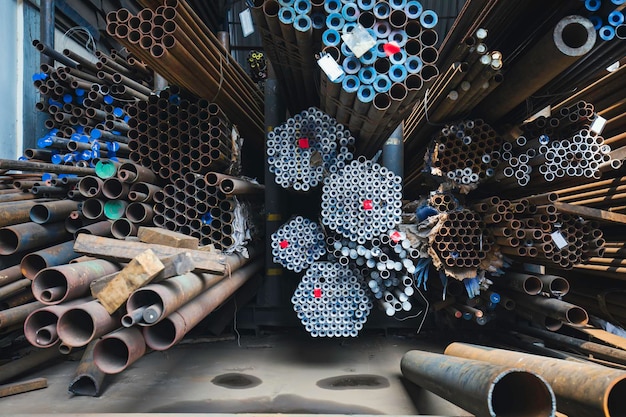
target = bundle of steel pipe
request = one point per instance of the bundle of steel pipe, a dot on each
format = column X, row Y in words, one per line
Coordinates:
column 466, row 82
column 307, row 147
column 291, row 34
column 462, row 154
column 389, row 266
column 172, row 40
column 197, row 206
column 174, row 136
column 362, row 201
column 298, row 243
column 331, row 301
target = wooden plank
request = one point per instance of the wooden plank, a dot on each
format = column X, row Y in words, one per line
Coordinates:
column 123, row 251
column 136, row 274
column 591, row 213
column 23, row 386
column 166, row 238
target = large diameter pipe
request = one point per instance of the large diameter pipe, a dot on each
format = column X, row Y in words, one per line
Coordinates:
column 15, row 213
column 555, row 308
column 81, row 324
column 40, row 327
column 30, row 235
column 55, row 255
column 157, row 301
column 65, row 282
column 87, row 378
column 572, row 38
column 582, row 390
column 118, row 350
column 52, row 211
column 523, row 283
column 174, row 327
column 481, row 388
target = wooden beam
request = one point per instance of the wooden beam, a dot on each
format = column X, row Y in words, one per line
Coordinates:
column 23, row 386
column 123, row 251
column 591, row 213
column 166, row 238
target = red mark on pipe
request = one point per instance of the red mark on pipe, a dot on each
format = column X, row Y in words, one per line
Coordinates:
column 303, row 143
column 283, row 244
column 368, row 205
column 395, row 236
column 317, row 293
column 391, row 48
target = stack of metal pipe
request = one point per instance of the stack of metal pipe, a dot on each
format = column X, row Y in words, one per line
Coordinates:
column 463, row 154
column 306, row 148
column 362, row 201
column 298, row 243
column 331, row 301
column 174, row 135
column 172, row 39
column 291, row 35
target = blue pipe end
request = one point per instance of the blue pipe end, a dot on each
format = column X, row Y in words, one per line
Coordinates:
column 351, row 83
column 397, row 4
column 287, row 15
column 367, row 75
column 350, row 12
column 303, row 23
column 429, row 19
column 351, row 65
column 302, row 6
column 368, row 58
column 366, row 93
column 331, row 37
column 413, row 9
column 607, row 33
column 332, row 6
column 397, row 73
column 413, row 65
column 382, row 83
column 593, row 5
column 335, row 21
column 616, row 18
column 366, row 5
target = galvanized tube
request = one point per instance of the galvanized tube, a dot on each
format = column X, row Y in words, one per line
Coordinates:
column 586, row 391
column 481, row 388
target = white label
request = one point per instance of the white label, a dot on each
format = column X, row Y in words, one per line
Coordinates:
column 359, row 41
column 559, row 240
column 330, row 67
column 597, row 126
column 245, row 17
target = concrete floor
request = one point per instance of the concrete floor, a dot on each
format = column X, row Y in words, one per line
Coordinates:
column 278, row 373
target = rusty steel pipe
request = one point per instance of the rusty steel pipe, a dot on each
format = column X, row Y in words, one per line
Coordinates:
column 114, row 189
column 93, row 209
column 40, row 327
column 29, row 166
column 139, row 213
column 83, row 323
column 555, row 285
column 30, row 235
column 90, row 186
column 13, row 288
column 483, row 389
column 15, row 213
column 554, row 308
column 27, row 363
column 525, row 283
column 582, row 390
column 118, row 350
column 160, row 299
column 10, row 274
column 132, row 173
column 59, row 254
column 17, row 315
column 87, row 379
column 175, row 326
column 52, row 211
column 142, row 192
column 102, row 228
column 65, row 282
column 123, row 228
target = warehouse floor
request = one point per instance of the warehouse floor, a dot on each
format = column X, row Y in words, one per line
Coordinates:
column 286, row 373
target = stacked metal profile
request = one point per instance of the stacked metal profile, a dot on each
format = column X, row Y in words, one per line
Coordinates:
column 331, row 301
column 362, row 201
column 306, row 148
column 171, row 38
column 463, row 154
column 298, row 243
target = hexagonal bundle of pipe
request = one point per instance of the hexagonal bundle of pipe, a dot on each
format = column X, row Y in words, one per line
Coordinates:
column 568, row 144
column 173, row 136
column 306, row 148
column 298, row 243
column 362, row 201
column 460, row 240
column 388, row 265
column 331, row 301
column 464, row 154
column 382, row 77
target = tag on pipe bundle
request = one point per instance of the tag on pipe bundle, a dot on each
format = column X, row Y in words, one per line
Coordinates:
column 303, row 143
column 368, row 205
column 359, row 41
column 391, row 48
column 395, row 236
column 245, row 17
column 597, row 126
column 283, row 244
column 317, row 293
column 330, row 67
column 558, row 239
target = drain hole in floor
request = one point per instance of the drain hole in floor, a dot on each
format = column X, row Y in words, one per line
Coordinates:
column 236, row 381
column 358, row 381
